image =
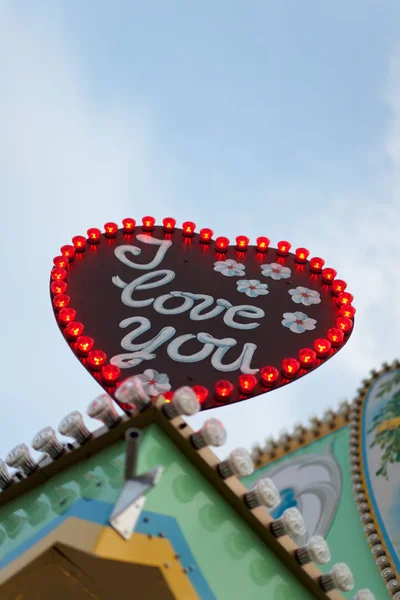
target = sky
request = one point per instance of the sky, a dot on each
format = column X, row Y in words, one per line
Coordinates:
column 250, row 117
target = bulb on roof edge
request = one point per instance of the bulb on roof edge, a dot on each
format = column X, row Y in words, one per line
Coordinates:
column 20, row 458
column 269, row 444
column 316, row 550
column 5, row 477
column 184, row 402
column 344, row 408
column 265, row 494
column 239, row 463
column 328, row 416
column 131, row 392
column 339, row 577
column 102, row 409
column 284, row 437
column 45, row 441
column 364, row 594
column 211, row 434
column 73, row 426
column 290, row 523
column 298, row 430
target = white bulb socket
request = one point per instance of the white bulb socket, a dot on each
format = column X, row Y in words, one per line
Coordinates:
column 73, row 426
column 184, row 402
column 364, row 595
column 211, row 434
column 5, row 477
column 291, row 523
column 316, row 550
column 239, row 463
column 46, row 441
column 339, row 577
column 20, row 458
column 102, row 408
column 131, row 392
column 265, row 494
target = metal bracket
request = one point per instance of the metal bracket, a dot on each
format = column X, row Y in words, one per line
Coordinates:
column 132, row 498
column 126, row 521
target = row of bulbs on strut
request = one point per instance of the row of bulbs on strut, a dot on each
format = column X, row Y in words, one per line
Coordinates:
column 299, row 431
column 239, row 463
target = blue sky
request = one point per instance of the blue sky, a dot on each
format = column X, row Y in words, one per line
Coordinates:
column 263, row 118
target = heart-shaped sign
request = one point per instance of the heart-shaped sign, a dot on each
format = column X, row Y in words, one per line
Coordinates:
column 179, row 308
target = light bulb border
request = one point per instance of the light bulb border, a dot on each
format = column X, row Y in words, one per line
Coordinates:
column 106, row 236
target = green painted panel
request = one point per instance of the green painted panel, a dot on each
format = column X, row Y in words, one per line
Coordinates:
column 233, row 560
column 345, row 536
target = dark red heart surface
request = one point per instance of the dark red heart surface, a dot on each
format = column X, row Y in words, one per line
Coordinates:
column 178, row 308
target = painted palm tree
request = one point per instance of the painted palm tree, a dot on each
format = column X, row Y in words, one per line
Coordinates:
column 386, row 425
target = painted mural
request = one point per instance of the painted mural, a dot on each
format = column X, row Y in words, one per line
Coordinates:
column 313, row 484
column 380, row 440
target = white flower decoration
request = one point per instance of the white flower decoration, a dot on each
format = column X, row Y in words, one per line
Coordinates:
column 154, row 383
column 229, row 267
column 298, row 322
column 302, row 295
column 276, row 271
column 252, row 287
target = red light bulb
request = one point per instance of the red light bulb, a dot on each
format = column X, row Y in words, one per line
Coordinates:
column 345, row 298
column 290, row 367
column 148, row 223
column 110, row 373
column 347, row 311
column 302, row 254
column 322, row 347
column 68, row 251
column 269, row 375
column 307, row 357
column 74, row 329
column 206, row 235
column 221, row 244
column 247, row 383
column 338, row 286
column 262, row 244
column 328, row 275
column 344, row 324
column 316, row 264
column 93, row 235
column 84, row 344
column 168, row 396
column 60, row 261
column 223, row 389
column 58, row 274
column 242, row 242
column 66, row 315
column 283, row 248
column 128, row 225
column 188, row 228
column 169, row 224
column 59, row 287
column 335, row 336
column 61, row 301
column 201, row 393
column 110, row 229
column 79, row 242
column 96, row 359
